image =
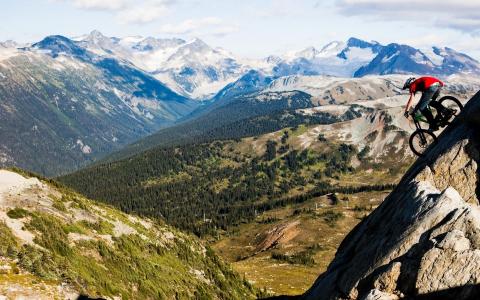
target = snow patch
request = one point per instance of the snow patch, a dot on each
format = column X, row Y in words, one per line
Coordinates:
column 434, row 58
column 84, row 148
column 390, row 57
column 359, row 54
column 6, row 53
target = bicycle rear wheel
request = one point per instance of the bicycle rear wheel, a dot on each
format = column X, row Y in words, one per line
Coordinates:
column 420, row 140
column 453, row 106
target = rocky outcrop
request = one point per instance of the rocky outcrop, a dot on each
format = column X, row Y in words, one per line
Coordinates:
column 279, row 235
column 424, row 240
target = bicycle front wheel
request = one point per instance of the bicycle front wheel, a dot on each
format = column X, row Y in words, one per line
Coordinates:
column 420, row 140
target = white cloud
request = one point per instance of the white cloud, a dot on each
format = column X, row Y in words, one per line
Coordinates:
column 100, row 4
column 209, row 25
column 190, row 25
column 454, row 14
column 127, row 11
column 142, row 14
column 225, row 30
column 463, row 24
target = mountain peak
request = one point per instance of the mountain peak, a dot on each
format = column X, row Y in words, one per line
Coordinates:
column 355, row 42
column 331, row 49
column 96, row 37
column 58, row 44
column 195, row 45
column 308, row 53
column 273, row 59
column 332, row 45
column 151, row 43
column 95, row 34
column 198, row 42
column 8, row 44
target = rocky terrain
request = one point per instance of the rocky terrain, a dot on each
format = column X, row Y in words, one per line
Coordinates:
column 423, row 240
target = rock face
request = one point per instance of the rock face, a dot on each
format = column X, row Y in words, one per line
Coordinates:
column 424, row 240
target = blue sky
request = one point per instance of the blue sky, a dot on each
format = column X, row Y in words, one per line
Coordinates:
column 252, row 28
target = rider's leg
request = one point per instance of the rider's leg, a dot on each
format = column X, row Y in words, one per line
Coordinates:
column 437, row 89
column 431, row 120
column 422, row 105
column 437, row 105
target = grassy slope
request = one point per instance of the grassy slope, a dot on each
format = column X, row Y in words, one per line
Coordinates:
column 153, row 261
column 222, row 181
column 315, row 231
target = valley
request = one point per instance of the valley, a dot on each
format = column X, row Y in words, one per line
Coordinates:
column 284, row 250
column 81, row 100
column 178, row 170
column 264, row 203
column 226, row 182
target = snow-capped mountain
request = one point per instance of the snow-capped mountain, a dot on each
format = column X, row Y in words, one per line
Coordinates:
column 198, row 71
column 63, row 105
column 190, row 68
column 403, row 59
column 336, row 59
column 357, row 58
column 94, row 93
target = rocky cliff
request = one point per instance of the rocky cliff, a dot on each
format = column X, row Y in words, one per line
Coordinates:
column 424, row 240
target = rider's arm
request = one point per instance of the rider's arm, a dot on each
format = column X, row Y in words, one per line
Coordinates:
column 409, row 103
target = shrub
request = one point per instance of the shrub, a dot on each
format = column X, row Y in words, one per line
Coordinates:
column 332, row 217
column 301, row 258
column 57, row 204
column 101, row 226
column 8, row 243
column 17, row 213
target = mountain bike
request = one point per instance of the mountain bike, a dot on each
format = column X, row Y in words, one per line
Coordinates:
column 449, row 108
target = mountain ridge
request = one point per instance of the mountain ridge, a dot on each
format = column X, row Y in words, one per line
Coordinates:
column 176, row 62
column 58, row 244
column 75, row 106
column 128, row 85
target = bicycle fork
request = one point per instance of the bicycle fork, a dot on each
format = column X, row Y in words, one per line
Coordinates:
column 423, row 140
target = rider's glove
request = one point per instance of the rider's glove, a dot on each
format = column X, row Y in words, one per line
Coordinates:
column 406, row 114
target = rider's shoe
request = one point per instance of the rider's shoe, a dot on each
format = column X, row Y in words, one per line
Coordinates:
column 443, row 119
column 448, row 113
column 433, row 127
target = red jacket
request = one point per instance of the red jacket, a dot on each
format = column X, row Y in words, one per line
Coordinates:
column 423, row 83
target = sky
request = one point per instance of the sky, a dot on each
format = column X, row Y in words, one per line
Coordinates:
column 252, row 28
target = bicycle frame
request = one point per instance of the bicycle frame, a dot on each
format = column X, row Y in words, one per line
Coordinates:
column 416, row 120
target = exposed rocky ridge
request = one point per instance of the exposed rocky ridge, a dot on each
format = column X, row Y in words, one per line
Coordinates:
column 424, row 240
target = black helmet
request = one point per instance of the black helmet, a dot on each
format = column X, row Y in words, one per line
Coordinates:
column 408, row 82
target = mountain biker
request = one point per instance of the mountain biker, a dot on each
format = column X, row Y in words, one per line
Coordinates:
column 430, row 88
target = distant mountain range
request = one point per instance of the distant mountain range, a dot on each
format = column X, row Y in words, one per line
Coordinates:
column 62, row 106
column 69, row 101
column 198, row 71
